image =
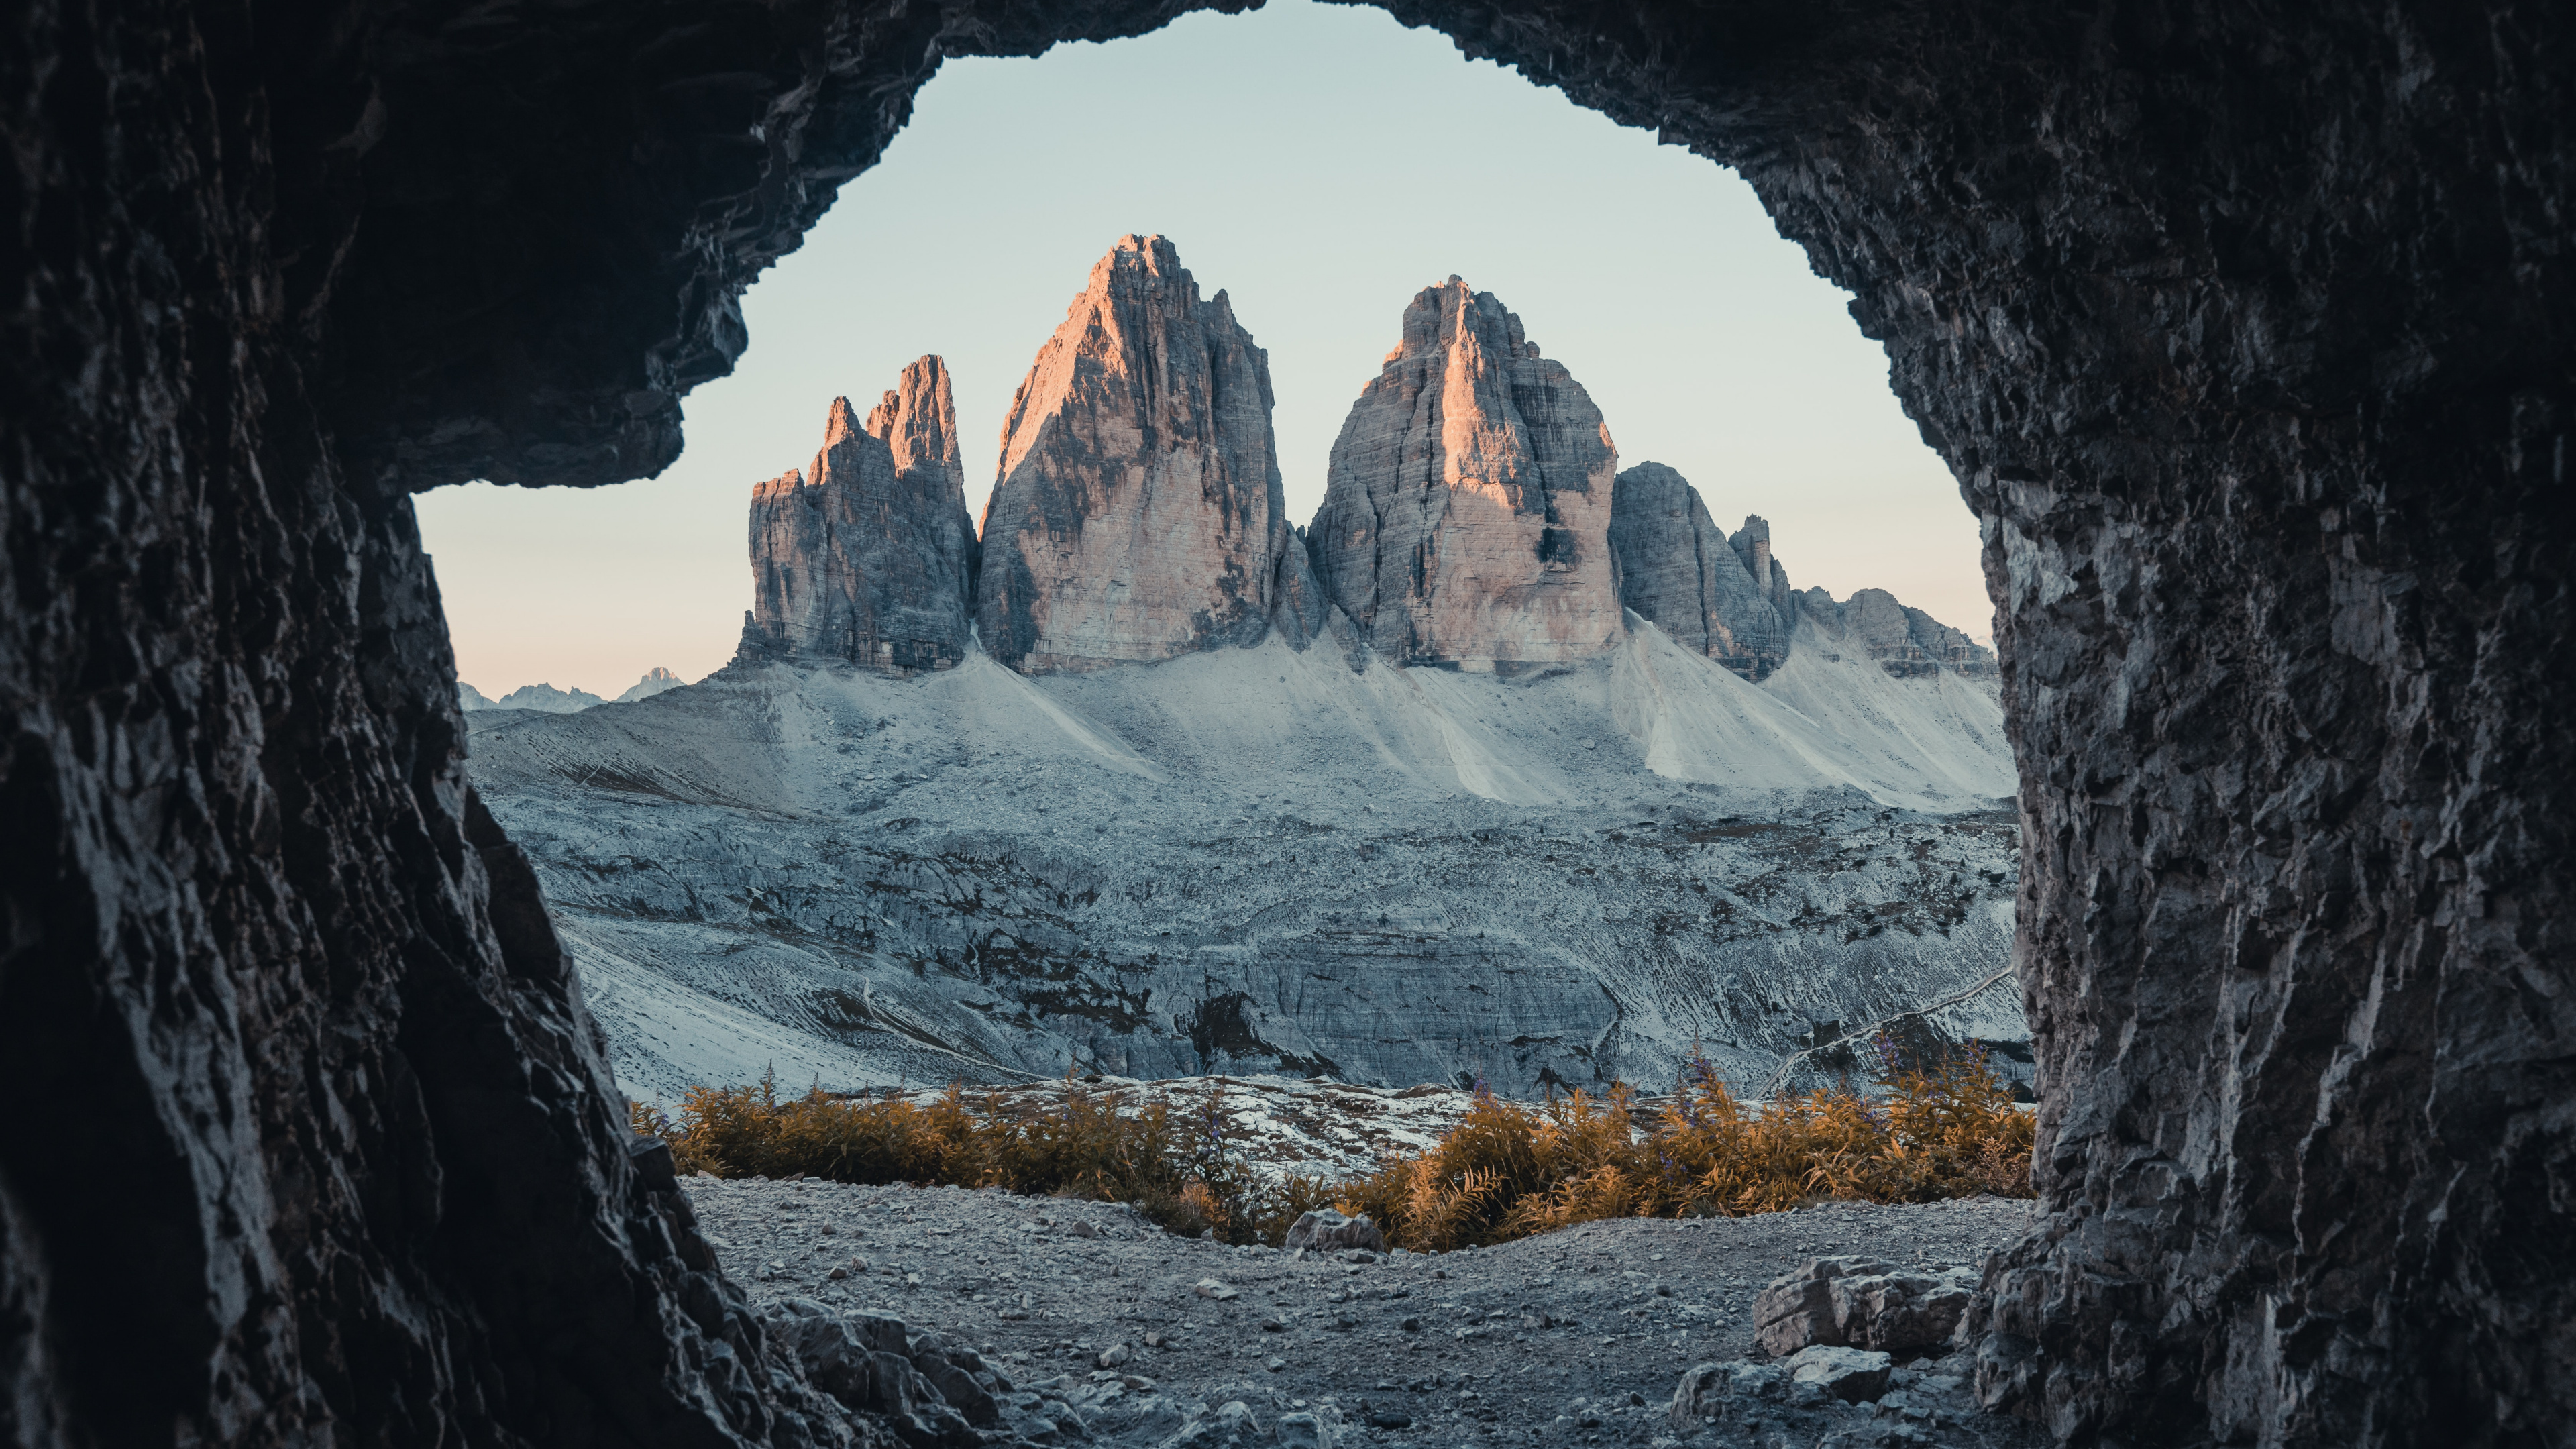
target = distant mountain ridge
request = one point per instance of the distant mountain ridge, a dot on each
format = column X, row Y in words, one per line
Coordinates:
column 1475, row 516
column 1512, row 766
column 546, row 699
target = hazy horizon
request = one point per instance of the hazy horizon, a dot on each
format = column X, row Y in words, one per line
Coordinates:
column 1318, row 164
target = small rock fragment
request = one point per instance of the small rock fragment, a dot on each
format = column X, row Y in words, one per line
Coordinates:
column 1853, row 1375
column 1325, row 1230
column 1211, row 1288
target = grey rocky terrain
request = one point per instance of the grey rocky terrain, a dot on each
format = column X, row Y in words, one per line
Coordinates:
column 1270, row 861
column 1577, row 1337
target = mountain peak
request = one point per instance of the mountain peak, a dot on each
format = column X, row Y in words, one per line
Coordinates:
column 1138, row 512
column 1467, row 501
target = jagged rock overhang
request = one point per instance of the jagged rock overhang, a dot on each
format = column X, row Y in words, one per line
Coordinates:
column 2244, row 330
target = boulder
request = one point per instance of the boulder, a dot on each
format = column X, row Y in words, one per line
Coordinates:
column 869, row 1363
column 1853, row 1375
column 1901, row 1312
column 1711, row 1391
column 1325, row 1229
column 868, row 555
column 1797, row 1309
column 1863, row 1303
column 1467, row 502
column 1138, row 512
column 1678, row 570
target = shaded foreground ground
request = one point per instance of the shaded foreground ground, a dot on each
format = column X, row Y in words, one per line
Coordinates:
column 1505, row 1340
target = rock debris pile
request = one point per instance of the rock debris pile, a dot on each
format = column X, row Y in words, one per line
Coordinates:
column 1054, row 1321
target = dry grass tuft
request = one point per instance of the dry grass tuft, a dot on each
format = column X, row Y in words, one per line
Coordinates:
column 1509, row 1171
column 1178, row 1168
column 1505, row 1171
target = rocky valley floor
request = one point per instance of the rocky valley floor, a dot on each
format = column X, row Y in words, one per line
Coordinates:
column 1115, row 1333
column 1261, row 861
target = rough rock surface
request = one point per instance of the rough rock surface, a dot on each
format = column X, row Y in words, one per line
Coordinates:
column 1582, row 1335
column 2243, row 326
column 2243, row 329
column 1678, row 571
column 868, row 555
column 312, row 1141
column 1137, row 514
column 1467, row 502
column 1860, row 1303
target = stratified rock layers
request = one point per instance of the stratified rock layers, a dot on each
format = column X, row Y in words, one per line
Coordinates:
column 868, row 555
column 1138, row 514
column 1467, row 504
column 1679, row 572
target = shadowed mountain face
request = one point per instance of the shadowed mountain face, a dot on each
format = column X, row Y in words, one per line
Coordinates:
column 1678, row 569
column 1467, row 502
column 2243, row 326
column 1138, row 514
column 867, row 556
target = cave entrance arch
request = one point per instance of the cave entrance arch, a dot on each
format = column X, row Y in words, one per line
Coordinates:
column 2245, row 333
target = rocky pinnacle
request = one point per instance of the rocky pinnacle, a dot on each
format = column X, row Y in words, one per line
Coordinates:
column 868, row 555
column 1467, row 503
column 1137, row 514
column 1677, row 570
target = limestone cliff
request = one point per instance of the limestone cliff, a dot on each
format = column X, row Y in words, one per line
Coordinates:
column 868, row 554
column 1467, row 503
column 1137, row 514
column 1679, row 571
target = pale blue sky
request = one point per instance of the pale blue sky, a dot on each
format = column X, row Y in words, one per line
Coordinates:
column 1320, row 164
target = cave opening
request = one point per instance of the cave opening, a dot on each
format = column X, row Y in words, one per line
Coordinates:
column 2244, row 328
column 1334, row 163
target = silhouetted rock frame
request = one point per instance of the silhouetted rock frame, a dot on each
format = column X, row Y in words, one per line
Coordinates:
column 2245, row 327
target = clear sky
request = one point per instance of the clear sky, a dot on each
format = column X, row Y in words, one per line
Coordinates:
column 1320, row 164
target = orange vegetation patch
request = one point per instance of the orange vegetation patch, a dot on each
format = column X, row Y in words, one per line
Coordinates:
column 1505, row 1171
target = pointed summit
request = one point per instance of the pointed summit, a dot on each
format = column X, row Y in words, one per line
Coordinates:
column 1137, row 514
column 868, row 555
column 1467, row 502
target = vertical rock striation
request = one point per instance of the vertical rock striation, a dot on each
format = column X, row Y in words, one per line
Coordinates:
column 1138, row 513
column 1467, row 504
column 1678, row 571
column 868, row 555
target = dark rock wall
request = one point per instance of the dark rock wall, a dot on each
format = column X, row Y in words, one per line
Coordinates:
column 2246, row 330
column 310, row 1140
column 2245, row 327
column 1677, row 570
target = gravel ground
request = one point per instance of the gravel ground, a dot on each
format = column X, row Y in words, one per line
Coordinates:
column 1574, row 1337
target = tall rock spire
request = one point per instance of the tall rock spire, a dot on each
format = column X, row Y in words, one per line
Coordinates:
column 1679, row 570
column 1467, row 504
column 1137, row 514
column 868, row 555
